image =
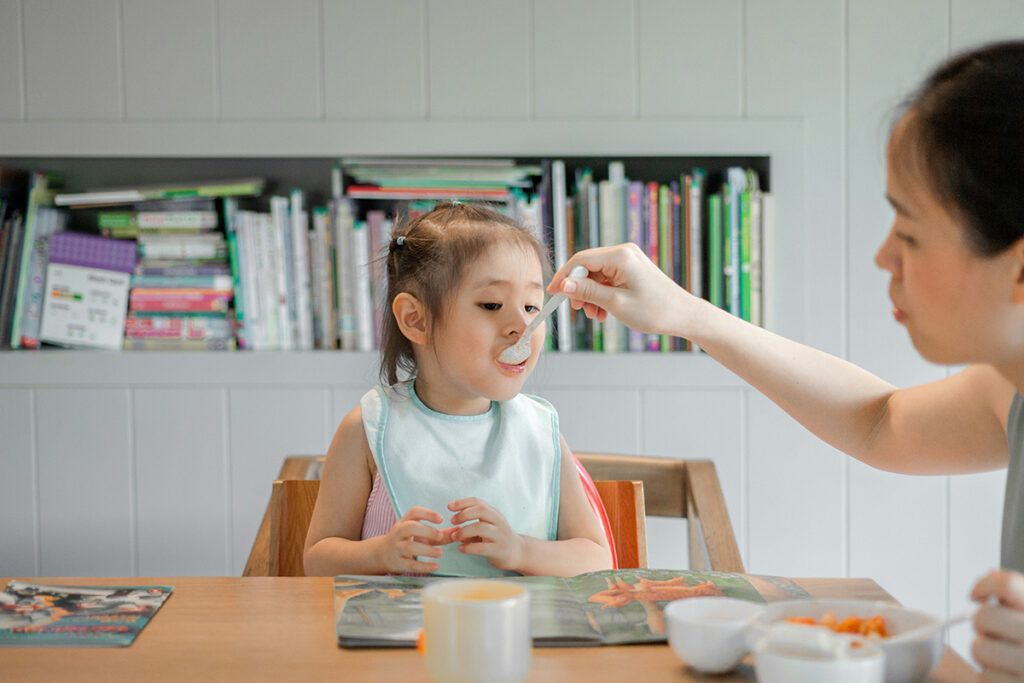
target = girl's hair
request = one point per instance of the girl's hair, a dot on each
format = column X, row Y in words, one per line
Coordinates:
column 964, row 135
column 428, row 256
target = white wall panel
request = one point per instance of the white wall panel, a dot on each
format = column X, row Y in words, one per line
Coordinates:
column 86, row 482
column 980, row 21
column 886, row 62
column 343, row 400
column 72, row 69
column 181, row 478
column 898, row 534
column 584, row 58
column 803, row 76
column 700, row 425
column 975, row 531
column 478, row 58
column 689, row 55
column 19, row 527
column 169, row 59
column 796, row 511
column 596, row 422
column 265, row 426
column 269, row 59
column 10, row 59
column 374, row 59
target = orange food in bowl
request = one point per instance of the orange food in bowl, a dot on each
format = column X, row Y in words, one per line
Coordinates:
column 872, row 627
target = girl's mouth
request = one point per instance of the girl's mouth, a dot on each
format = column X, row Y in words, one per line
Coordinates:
column 511, row 369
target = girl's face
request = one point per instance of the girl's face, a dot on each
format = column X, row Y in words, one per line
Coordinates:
column 499, row 294
column 956, row 305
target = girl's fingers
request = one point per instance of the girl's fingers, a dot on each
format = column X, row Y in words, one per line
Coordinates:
column 420, row 530
column 417, row 567
column 418, row 513
column 412, row 549
column 484, row 531
column 484, row 548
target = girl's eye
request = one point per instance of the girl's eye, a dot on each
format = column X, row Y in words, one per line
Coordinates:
column 490, row 306
column 530, row 308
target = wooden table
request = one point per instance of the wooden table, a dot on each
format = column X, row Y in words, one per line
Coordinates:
column 245, row 629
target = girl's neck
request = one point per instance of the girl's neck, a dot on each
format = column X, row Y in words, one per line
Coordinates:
column 441, row 397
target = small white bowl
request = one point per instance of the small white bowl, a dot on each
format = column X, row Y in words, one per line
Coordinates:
column 791, row 653
column 710, row 633
column 906, row 659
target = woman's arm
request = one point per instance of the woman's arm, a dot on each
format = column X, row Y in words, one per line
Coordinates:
column 333, row 544
column 957, row 424
column 581, row 545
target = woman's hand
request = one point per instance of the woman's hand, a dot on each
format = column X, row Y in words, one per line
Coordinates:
column 409, row 539
column 489, row 536
column 999, row 646
column 625, row 283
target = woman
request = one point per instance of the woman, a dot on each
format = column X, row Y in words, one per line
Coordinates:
column 955, row 255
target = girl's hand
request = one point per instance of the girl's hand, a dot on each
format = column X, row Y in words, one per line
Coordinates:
column 410, row 538
column 626, row 284
column 490, row 536
column 999, row 646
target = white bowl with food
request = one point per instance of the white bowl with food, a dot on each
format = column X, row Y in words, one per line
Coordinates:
column 908, row 658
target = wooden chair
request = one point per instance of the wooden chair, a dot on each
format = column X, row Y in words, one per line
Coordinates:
column 626, row 484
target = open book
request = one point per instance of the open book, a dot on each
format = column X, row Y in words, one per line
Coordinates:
column 614, row 606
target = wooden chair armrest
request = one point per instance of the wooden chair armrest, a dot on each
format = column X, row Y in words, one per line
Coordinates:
column 711, row 540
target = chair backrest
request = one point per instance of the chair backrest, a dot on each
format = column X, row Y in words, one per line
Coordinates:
column 279, row 545
column 671, row 488
column 679, row 488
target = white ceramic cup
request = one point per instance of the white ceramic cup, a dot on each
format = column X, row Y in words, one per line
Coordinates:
column 477, row 630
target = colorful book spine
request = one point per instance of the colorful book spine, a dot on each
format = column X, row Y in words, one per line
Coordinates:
column 635, row 233
column 303, row 314
column 345, row 273
column 179, row 300
column 665, row 250
column 715, row 241
column 745, row 228
column 653, row 245
column 177, row 327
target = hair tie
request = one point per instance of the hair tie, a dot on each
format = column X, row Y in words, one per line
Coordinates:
column 400, row 240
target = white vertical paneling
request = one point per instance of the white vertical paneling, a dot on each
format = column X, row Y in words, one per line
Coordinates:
column 266, row 425
column 10, row 58
column 343, row 401
column 699, row 425
column 71, row 59
column 269, row 59
column 793, row 476
column 886, row 62
column 583, row 59
column 667, row 543
column 689, row 58
column 181, row 481
column 781, row 80
column 85, row 482
column 974, row 22
column 373, row 59
column 898, row 534
column 478, row 59
column 168, row 59
column 18, row 530
column 975, row 511
column 596, row 422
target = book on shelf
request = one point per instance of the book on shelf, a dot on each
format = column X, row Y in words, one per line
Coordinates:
column 610, row 607
column 49, row 615
column 176, row 190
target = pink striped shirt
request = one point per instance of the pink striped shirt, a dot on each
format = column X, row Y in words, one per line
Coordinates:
column 380, row 515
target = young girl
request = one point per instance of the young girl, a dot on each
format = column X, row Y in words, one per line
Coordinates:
column 456, row 444
column 955, row 255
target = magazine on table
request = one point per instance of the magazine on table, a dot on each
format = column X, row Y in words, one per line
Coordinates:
column 615, row 606
column 36, row 614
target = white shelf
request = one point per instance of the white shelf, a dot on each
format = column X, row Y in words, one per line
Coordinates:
column 65, row 368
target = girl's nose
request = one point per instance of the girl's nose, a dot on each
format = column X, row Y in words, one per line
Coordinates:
column 516, row 324
column 887, row 257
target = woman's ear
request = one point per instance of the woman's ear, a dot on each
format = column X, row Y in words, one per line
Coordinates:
column 411, row 317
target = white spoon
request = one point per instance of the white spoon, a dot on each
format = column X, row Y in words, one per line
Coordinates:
column 931, row 628
column 520, row 351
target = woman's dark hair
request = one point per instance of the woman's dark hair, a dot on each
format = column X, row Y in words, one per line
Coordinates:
column 964, row 132
column 428, row 257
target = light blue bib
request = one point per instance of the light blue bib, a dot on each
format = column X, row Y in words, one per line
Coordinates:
column 509, row 457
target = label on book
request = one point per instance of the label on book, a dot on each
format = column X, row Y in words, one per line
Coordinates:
column 84, row 306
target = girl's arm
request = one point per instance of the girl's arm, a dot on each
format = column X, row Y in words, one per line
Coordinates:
column 581, row 545
column 954, row 425
column 332, row 543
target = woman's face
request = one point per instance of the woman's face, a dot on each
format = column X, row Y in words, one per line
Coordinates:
column 957, row 306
